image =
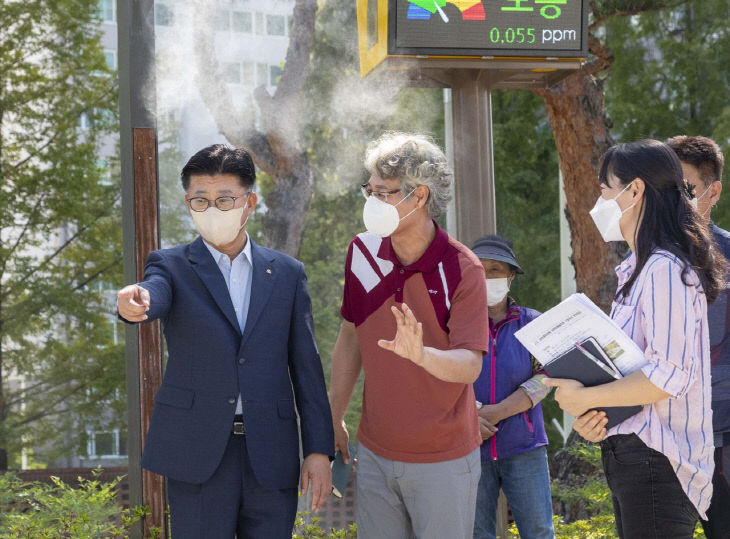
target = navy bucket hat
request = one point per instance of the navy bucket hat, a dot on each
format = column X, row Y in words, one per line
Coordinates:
column 493, row 247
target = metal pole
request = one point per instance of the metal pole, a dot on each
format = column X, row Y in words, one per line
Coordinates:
column 567, row 286
column 140, row 222
column 449, row 150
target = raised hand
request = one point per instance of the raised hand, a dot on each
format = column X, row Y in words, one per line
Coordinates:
column 408, row 341
column 133, row 302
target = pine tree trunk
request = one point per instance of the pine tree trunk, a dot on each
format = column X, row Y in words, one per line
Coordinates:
column 276, row 148
column 576, row 110
column 287, row 205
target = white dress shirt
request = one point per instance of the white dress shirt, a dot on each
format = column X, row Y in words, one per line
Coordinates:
column 237, row 275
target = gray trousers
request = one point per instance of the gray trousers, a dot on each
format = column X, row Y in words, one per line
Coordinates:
column 405, row 500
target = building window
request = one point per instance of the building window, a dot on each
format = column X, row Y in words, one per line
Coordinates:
column 248, row 78
column 223, row 20
column 107, row 10
column 84, row 121
column 111, row 60
column 105, row 178
column 260, row 24
column 163, row 15
column 242, row 22
column 274, row 74
column 275, row 25
column 262, row 74
column 106, row 444
column 97, row 117
column 232, row 73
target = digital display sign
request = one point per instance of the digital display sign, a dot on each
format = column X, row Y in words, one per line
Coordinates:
column 542, row 28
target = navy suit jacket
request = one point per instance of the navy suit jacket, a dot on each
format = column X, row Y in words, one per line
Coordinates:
column 273, row 365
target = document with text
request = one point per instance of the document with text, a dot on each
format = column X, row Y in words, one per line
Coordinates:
column 572, row 321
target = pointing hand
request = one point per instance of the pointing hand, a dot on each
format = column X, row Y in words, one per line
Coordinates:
column 133, row 302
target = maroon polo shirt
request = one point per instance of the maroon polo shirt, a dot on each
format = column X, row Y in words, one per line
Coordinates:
column 408, row 414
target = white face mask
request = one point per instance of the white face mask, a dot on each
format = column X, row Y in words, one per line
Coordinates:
column 695, row 200
column 497, row 290
column 218, row 227
column 607, row 214
column 380, row 218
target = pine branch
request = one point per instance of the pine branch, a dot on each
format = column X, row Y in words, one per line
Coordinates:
column 627, row 8
column 64, row 128
column 49, row 410
column 23, row 280
column 23, row 391
column 603, row 57
column 28, row 223
column 96, row 274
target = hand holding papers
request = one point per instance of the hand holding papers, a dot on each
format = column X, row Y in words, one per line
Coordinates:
column 577, row 319
column 577, row 341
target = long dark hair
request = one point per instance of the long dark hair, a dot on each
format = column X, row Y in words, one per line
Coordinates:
column 668, row 220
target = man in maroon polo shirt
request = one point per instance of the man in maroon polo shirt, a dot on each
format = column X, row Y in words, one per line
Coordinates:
column 415, row 319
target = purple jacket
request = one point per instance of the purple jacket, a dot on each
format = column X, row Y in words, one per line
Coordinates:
column 507, row 365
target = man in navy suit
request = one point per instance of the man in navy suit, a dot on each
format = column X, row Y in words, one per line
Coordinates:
column 237, row 320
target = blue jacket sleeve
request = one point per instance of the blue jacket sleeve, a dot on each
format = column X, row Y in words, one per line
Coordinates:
column 307, row 376
column 158, row 282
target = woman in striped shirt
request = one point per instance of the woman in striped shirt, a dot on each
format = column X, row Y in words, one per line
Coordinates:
column 658, row 463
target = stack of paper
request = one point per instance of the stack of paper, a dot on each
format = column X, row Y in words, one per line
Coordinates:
column 575, row 320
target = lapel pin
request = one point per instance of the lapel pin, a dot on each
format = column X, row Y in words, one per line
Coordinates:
column 268, row 271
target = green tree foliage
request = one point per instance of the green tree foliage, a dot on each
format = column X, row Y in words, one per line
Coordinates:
column 59, row 227
column 671, row 77
column 527, row 186
column 176, row 227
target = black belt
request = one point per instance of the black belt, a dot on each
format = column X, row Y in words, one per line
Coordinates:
column 238, row 425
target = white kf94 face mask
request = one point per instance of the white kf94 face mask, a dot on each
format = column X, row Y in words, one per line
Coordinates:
column 696, row 200
column 497, row 290
column 607, row 214
column 380, row 218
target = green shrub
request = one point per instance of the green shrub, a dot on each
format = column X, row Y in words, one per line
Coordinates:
column 588, row 496
column 308, row 527
column 36, row 510
column 39, row 510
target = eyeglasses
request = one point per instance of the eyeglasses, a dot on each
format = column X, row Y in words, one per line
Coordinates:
column 222, row 203
column 380, row 195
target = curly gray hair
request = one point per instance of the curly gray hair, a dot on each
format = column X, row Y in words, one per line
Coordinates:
column 414, row 160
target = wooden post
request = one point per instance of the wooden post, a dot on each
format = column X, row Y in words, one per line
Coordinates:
column 140, row 211
column 473, row 156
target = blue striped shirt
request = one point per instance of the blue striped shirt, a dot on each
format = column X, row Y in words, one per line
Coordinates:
column 668, row 320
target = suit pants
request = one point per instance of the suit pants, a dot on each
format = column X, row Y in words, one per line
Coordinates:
column 231, row 503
